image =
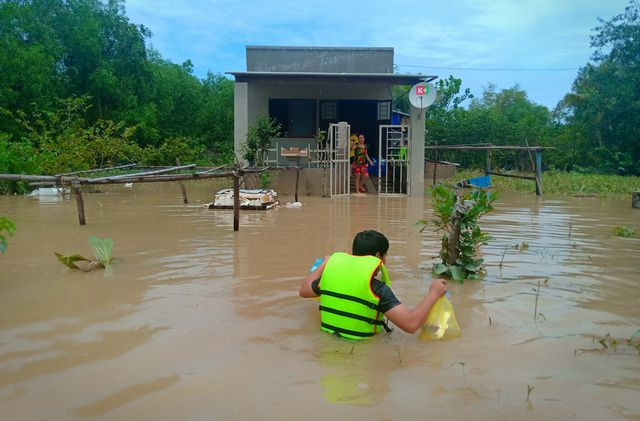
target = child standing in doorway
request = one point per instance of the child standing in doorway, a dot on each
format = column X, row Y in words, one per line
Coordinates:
column 360, row 161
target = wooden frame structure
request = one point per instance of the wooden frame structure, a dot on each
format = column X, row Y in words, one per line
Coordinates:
column 536, row 162
column 153, row 175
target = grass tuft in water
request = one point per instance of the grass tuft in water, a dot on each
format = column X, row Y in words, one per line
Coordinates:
column 621, row 231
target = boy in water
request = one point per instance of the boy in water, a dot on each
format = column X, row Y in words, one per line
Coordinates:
column 355, row 293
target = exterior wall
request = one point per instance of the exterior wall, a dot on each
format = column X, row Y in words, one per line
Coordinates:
column 319, row 59
column 240, row 117
column 260, row 93
column 417, row 152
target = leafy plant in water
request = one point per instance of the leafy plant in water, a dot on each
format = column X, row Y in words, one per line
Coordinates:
column 101, row 250
column 8, row 227
column 458, row 221
column 621, row 231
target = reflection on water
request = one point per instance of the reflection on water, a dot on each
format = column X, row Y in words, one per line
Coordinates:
column 196, row 320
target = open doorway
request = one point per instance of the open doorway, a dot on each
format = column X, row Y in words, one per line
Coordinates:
column 363, row 115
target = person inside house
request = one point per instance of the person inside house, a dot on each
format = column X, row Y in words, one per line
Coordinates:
column 360, row 161
column 352, row 142
column 355, row 292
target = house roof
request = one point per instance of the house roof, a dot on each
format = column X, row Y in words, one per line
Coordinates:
column 315, row 77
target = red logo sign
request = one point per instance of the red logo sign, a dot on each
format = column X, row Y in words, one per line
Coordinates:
column 421, row 90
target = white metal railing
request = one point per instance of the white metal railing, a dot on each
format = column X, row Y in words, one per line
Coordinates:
column 394, row 150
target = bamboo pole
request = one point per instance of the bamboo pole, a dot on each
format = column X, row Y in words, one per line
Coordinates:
column 185, row 200
column 142, row 174
column 80, row 204
column 119, row 167
column 153, row 178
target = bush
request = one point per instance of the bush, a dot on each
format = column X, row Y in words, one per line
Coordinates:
column 185, row 148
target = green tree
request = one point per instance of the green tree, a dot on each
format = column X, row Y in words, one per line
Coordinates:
column 604, row 106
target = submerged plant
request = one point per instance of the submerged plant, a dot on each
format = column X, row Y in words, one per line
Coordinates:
column 458, row 221
column 621, row 231
column 9, row 227
column 101, row 250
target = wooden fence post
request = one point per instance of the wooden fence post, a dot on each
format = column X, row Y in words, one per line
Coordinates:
column 185, row 200
column 236, row 200
column 487, row 167
column 635, row 200
column 538, row 172
column 297, row 177
column 80, row 203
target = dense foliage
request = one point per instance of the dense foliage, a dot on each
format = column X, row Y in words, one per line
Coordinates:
column 595, row 128
column 79, row 87
column 7, row 228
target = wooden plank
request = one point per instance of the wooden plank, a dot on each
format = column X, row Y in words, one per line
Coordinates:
column 523, row 177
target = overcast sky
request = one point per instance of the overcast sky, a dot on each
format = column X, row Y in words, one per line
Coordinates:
column 427, row 36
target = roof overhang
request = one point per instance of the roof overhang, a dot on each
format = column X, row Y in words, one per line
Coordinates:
column 312, row 77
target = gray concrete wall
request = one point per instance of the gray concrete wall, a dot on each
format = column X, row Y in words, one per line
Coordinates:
column 319, row 59
column 417, row 152
column 240, row 117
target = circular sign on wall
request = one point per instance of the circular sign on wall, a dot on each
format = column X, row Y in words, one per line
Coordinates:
column 422, row 95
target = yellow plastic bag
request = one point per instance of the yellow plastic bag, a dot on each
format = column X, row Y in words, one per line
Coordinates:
column 441, row 322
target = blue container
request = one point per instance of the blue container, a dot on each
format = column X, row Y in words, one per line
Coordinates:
column 317, row 263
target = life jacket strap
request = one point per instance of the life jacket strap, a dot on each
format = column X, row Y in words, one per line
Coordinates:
column 357, row 317
column 339, row 330
column 369, row 304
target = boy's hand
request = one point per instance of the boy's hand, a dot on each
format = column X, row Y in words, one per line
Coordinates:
column 438, row 287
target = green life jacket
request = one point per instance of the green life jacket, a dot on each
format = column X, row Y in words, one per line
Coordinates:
column 348, row 306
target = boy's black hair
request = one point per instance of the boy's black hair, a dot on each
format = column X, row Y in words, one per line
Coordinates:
column 370, row 242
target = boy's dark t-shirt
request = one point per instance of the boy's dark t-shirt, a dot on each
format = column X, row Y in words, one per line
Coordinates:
column 388, row 299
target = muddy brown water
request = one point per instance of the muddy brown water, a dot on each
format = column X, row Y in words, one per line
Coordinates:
column 195, row 321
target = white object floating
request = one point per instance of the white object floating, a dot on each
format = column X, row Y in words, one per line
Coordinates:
column 49, row 191
column 128, row 185
column 294, row 205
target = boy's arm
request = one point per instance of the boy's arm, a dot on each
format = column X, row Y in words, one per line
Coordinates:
column 410, row 320
column 306, row 291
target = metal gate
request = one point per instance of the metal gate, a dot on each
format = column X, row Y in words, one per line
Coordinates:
column 394, row 167
column 339, row 174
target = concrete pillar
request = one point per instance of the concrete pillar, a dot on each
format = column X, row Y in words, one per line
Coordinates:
column 417, row 152
column 240, row 118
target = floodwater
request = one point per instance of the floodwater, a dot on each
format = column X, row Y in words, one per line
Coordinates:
column 195, row 321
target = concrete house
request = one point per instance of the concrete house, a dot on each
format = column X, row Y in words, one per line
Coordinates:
column 338, row 90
